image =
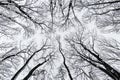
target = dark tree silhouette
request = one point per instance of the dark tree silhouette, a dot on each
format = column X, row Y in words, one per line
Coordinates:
column 92, row 56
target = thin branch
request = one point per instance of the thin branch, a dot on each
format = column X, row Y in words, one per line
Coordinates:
column 64, row 61
column 108, row 2
column 22, row 68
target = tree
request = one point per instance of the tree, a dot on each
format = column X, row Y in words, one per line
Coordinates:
column 35, row 49
column 105, row 12
column 88, row 51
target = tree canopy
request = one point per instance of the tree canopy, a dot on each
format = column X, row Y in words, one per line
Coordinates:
column 59, row 40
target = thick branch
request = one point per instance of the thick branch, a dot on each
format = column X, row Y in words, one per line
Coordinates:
column 22, row 68
column 31, row 72
column 111, row 71
column 107, row 68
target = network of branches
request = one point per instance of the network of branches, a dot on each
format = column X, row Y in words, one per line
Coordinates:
column 50, row 40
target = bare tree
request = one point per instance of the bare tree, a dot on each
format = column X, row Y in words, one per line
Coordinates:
column 82, row 56
column 87, row 52
column 105, row 12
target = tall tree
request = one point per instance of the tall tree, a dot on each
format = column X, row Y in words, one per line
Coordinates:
column 25, row 24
